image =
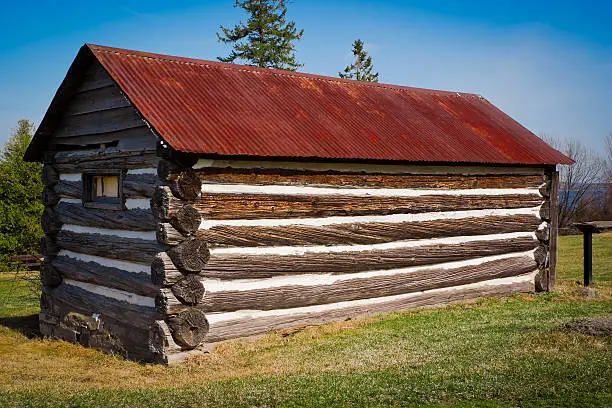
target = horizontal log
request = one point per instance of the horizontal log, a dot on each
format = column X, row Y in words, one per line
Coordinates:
column 330, row 178
column 69, row 189
column 352, row 288
column 87, row 303
column 129, row 329
column 134, row 186
column 93, row 160
column 110, row 246
column 93, row 272
column 265, row 265
column 352, row 233
column 140, row 185
column 136, row 219
column 225, row 326
column 253, row 206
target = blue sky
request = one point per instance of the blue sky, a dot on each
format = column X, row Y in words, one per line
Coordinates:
column 547, row 64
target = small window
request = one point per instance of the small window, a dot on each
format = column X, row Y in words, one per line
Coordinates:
column 103, row 191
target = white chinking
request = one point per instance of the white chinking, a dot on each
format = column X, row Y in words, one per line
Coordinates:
column 131, row 267
column 217, row 285
column 142, row 171
column 215, row 318
column 138, row 203
column 392, row 218
column 358, row 192
column 116, row 294
column 70, row 177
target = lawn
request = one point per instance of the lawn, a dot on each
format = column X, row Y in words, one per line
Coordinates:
column 495, row 352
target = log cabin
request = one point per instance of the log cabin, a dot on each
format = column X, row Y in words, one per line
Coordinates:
column 188, row 202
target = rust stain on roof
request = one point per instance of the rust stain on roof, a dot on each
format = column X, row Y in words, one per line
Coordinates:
column 224, row 109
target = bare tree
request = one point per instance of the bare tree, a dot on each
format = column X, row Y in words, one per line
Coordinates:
column 576, row 182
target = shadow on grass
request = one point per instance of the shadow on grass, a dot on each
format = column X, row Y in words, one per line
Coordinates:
column 26, row 325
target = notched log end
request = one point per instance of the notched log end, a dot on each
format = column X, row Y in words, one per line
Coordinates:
column 187, row 219
column 49, row 175
column 160, row 203
column 189, row 328
column 190, row 256
column 189, row 290
column 186, row 185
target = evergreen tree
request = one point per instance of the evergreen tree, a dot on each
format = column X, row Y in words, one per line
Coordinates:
column 20, row 195
column 267, row 39
column 361, row 69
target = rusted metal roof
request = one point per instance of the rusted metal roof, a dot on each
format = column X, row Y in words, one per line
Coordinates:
column 224, row 109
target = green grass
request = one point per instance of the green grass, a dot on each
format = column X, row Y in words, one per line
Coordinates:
column 495, row 352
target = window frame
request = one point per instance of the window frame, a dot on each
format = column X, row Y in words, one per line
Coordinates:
column 88, row 193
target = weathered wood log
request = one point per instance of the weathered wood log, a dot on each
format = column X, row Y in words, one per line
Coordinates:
column 170, row 299
column 189, row 290
column 136, row 219
column 83, row 301
column 247, row 324
column 92, row 272
column 49, row 175
column 541, row 280
column 140, row 185
column 163, row 271
column 50, row 197
column 189, row 328
column 352, row 233
column 49, row 275
column 252, row 206
column 161, row 343
column 129, row 323
column 330, row 178
column 51, row 222
column 185, row 185
column 134, row 186
column 187, row 219
column 111, row 246
column 545, row 211
column 241, row 266
column 48, row 246
column 541, row 256
column 69, row 189
column 545, row 189
column 190, row 256
column 93, row 160
column 543, row 232
column 348, row 288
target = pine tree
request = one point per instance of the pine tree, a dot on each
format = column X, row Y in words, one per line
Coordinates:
column 267, row 39
column 361, row 69
column 20, row 195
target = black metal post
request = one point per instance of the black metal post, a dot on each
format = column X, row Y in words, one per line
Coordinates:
column 588, row 256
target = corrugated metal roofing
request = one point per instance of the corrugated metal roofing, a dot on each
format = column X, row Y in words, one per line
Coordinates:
column 224, row 109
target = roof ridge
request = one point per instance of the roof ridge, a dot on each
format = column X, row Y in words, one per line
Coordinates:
column 269, row 71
